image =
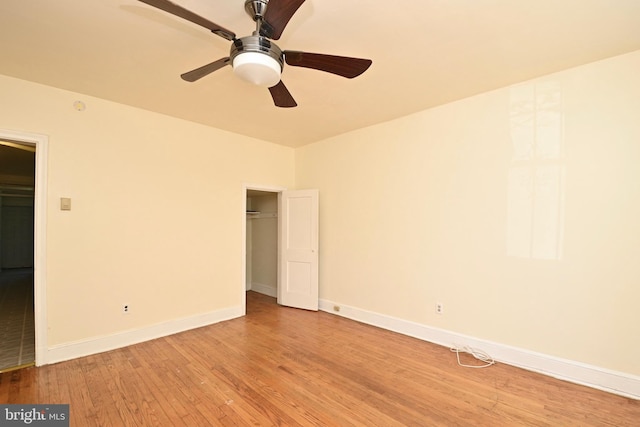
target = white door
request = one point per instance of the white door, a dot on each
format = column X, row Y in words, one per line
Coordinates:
column 298, row 243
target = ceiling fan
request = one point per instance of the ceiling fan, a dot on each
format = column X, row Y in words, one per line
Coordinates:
column 256, row 58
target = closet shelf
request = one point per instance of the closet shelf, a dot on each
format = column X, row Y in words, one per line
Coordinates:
column 259, row 215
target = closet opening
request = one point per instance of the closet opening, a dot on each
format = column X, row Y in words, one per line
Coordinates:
column 262, row 242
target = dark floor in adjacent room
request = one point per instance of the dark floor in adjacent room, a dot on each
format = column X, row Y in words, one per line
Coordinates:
column 17, row 336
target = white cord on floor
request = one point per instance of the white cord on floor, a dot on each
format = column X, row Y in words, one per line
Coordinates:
column 478, row 354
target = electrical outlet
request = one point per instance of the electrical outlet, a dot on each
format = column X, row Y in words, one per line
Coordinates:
column 126, row 309
column 439, row 308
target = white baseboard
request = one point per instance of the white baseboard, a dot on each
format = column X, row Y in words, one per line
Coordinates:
column 82, row 348
column 261, row 288
column 620, row 383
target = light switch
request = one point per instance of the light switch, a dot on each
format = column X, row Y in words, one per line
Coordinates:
column 65, row 204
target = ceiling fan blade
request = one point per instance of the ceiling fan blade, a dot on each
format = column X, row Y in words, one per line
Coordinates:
column 281, row 96
column 340, row 65
column 181, row 12
column 277, row 16
column 200, row 72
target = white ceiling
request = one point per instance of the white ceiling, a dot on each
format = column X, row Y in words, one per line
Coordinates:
column 425, row 53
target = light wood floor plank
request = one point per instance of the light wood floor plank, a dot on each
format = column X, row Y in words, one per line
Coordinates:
column 281, row 366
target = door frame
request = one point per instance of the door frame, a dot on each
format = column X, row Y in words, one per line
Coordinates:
column 41, row 142
column 245, row 188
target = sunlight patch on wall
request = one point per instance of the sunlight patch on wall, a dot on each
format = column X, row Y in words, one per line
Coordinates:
column 536, row 183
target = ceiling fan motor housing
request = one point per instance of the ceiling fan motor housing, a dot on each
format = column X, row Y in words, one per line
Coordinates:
column 257, row 60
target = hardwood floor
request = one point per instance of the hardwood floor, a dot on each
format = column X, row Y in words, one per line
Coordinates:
column 282, row 366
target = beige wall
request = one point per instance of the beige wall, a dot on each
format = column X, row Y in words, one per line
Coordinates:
column 517, row 209
column 157, row 210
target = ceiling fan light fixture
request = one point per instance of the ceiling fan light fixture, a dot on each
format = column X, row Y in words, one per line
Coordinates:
column 257, row 68
column 257, row 60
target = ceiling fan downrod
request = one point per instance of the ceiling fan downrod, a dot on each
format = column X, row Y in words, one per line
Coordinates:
column 256, row 10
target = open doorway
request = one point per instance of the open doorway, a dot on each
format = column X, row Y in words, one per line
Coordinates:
column 261, row 270
column 17, row 203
